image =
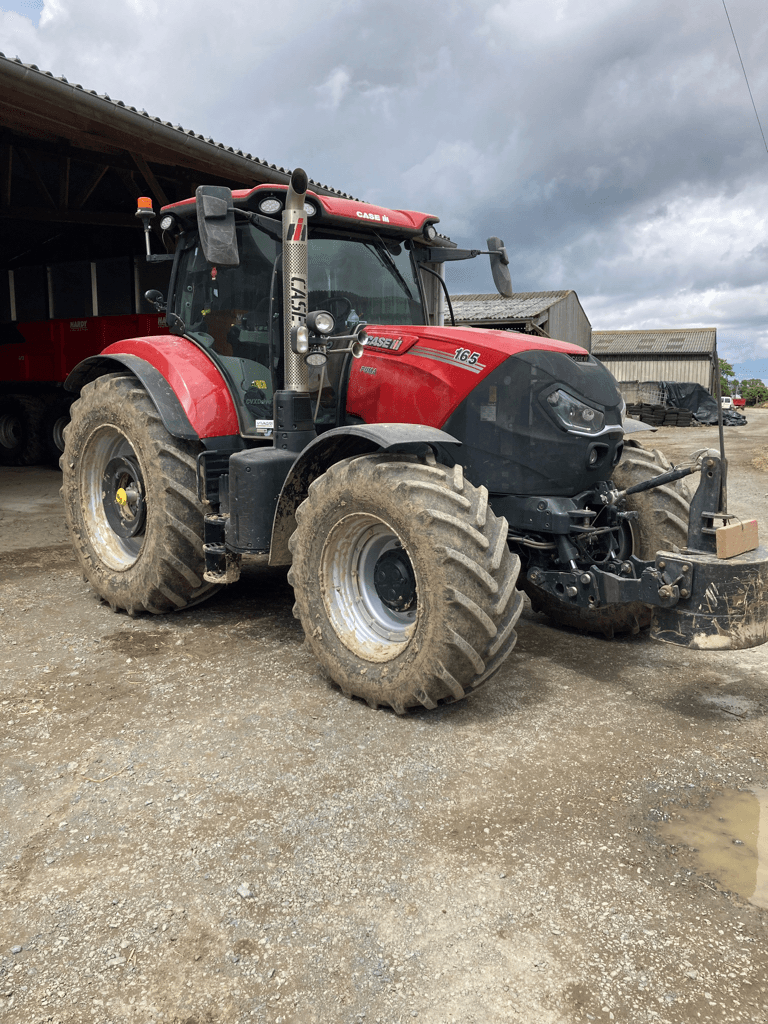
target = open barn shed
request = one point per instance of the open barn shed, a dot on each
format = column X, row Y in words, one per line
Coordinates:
column 684, row 356
column 72, row 267
column 548, row 314
column 72, row 165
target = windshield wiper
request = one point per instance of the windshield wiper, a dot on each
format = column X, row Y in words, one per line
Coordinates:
column 388, row 263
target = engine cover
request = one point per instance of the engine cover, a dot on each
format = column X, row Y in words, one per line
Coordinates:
column 489, row 390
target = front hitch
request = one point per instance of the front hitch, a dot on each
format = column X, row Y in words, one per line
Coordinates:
column 726, row 606
column 710, row 596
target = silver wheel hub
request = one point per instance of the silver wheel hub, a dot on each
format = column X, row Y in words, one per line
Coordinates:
column 113, row 497
column 369, row 588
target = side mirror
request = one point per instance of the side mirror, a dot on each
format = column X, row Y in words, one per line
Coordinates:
column 156, row 299
column 216, row 224
column 499, row 267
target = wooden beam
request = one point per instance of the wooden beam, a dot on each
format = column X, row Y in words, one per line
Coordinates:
column 89, row 189
column 34, row 174
column 54, row 216
column 64, row 183
column 127, row 179
column 150, row 179
column 6, row 167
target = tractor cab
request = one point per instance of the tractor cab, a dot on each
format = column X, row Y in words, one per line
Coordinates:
column 357, row 274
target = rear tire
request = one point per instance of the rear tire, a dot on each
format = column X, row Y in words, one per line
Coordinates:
column 54, row 422
column 21, row 437
column 130, row 499
column 404, row 582
column 661, row 526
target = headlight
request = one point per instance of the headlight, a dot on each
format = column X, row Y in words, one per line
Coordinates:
column 316, row 356
column 270, row 206
column 320, row 322
column 167, row 222
column 573, row 414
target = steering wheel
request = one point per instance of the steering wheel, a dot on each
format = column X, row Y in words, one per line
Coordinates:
column 339, row 307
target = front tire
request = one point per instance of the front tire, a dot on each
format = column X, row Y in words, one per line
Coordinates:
column 130, row 499
column 404, row 582
column 662, row 525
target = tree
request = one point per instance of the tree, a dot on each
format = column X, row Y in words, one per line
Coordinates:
column 728, row 380
column 754, row 391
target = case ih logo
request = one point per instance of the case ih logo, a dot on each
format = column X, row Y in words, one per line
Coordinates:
column 375, row 341
column 372, row 216
column 298, row 231
column 298, row 300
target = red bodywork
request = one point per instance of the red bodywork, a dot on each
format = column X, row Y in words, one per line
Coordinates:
column 421, row 374
column 406, row 374
column 194, row 377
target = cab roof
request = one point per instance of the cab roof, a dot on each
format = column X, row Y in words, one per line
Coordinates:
column 331, row 211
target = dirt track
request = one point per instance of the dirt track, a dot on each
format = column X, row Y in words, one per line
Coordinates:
column 197, row 827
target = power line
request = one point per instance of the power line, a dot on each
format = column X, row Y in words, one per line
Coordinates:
column 745, row 76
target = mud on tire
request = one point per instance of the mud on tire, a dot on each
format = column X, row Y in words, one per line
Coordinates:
column 130, row 500
column 661, row 526
column 404, row 582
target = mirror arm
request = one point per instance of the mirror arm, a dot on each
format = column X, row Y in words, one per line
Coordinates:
column 434, row 273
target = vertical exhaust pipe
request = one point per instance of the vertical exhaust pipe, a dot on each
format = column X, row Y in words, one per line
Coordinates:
column 295, row 279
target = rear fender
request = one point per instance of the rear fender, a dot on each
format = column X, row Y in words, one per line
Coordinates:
column 344, row 443
column 186, row 387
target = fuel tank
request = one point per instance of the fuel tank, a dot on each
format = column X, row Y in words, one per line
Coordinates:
column 535, row 417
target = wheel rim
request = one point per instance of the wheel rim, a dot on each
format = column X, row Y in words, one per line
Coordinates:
column 369, row 587
column 115, row 507
column 11, row 431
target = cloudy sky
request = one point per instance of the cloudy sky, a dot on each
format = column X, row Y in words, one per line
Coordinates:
column 611, row 143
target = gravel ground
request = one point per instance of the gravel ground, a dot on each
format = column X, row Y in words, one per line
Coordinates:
column 196, row 827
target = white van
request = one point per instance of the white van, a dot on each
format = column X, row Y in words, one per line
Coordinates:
column 726, row 402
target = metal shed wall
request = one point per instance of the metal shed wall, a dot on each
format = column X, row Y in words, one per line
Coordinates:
column 695, row 371
column 567, row 321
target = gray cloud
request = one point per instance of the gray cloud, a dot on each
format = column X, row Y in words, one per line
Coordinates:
column 612, row 146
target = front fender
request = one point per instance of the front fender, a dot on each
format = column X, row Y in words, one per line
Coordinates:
column 333, row 446
column 185, row 385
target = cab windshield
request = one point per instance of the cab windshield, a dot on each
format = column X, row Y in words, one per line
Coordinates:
column 370, row 281
column 236, row 312
column 356, row 280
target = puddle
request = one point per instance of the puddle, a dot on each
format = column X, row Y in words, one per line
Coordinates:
column 730, row 841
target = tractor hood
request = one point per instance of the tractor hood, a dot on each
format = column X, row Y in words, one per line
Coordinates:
column 534, row 416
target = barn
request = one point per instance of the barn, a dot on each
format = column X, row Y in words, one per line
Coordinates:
column 684, row 356
column 554, row 314
column 72, row 165
column 73, row 271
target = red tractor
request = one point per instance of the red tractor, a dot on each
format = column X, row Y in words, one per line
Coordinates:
column 414, row 477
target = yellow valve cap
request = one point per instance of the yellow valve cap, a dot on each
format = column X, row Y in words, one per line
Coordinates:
column 121, row 497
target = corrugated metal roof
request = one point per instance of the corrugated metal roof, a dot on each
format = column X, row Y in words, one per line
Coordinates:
column 496, row 307
column 685, row 341
column 267, row 171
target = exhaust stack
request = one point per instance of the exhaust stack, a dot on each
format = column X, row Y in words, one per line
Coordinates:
column 295, row 279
